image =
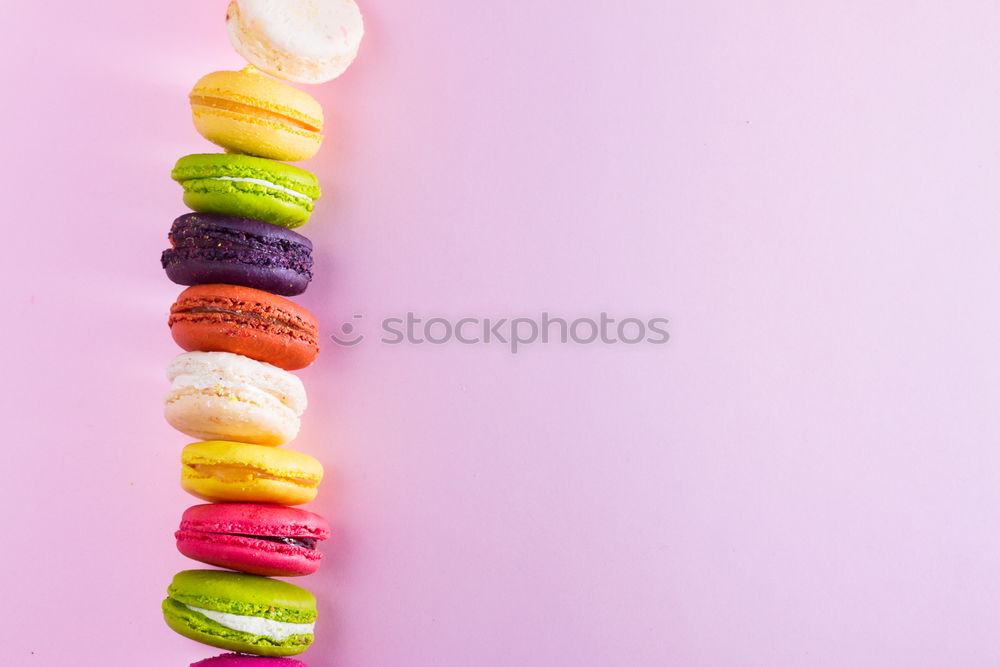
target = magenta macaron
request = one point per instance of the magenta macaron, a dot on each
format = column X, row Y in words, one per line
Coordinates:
column 260, row 539
column 239, row 660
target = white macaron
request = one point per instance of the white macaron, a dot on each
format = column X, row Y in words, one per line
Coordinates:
column 306, row 41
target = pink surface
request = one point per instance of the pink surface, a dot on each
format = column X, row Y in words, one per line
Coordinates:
column 807, row 474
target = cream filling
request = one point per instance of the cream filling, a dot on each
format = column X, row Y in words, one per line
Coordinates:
column 255, row 625
column 235, row 474
column 266, row 184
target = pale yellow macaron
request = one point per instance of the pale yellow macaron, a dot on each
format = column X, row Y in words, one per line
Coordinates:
column 247, row 112
column 306, row 41
column 220, row 471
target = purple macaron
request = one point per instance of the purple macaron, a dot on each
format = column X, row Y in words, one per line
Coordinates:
column 240, row 660
column 209, row 248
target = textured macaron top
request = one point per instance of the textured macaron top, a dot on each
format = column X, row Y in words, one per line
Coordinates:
column 250, row 93
column 210, row 230
column 277, row 179
column 230, row 460
column 241, row 660
column 308, row 41
column 219, row 371
column 255, row 519
column 244, row 595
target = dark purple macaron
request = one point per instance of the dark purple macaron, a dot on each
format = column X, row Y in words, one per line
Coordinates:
column 240, row 660
column 210, row 248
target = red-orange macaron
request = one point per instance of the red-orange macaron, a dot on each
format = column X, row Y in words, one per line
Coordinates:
column 243, row 320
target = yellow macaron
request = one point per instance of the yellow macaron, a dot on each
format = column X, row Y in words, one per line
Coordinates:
column 221, row 471
column 250, row 113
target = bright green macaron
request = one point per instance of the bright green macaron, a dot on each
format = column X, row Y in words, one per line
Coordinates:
column 247, row 187
column 241, row 612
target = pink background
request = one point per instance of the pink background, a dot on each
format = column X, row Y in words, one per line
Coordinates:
column 807, row 474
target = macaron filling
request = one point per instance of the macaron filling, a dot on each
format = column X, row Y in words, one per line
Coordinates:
column 303, row 542
column 264, row 183
column 180, row 310
column 252, row 110
column 234, row 473
column 256, row 625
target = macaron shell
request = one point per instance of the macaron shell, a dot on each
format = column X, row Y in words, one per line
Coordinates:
column 247, row 488
column 308, row 41
column 285, row 282
column 213, row 165
column 255, row 519
column 209, row 248
column 233, row 416
column 200, row 367
column 246, row 112
column 237, row 660
column 245, row 321
column 244, row 594
column 245, row 200
column 219, row 471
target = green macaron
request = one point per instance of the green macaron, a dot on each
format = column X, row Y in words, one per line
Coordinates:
column 241, row 612
column 247, row 187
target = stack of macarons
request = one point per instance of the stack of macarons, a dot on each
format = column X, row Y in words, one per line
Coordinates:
column 231, row 388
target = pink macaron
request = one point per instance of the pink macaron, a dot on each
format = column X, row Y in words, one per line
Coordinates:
column 239, row 660
column 261, row 539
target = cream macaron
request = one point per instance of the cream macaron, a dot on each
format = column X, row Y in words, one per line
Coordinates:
column 226, row 396
column 306, row 41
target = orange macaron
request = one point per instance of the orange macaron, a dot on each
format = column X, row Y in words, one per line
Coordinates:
column 247, row 321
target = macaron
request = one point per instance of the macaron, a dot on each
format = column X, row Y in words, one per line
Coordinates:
column 219, row 471
column 212, row 248
column 247, row 112
column 260, row 539
column 308, row 41
column 247, row 187
column 246, row 321
column 220, row 395
column 238, row 660
column 241, row 612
